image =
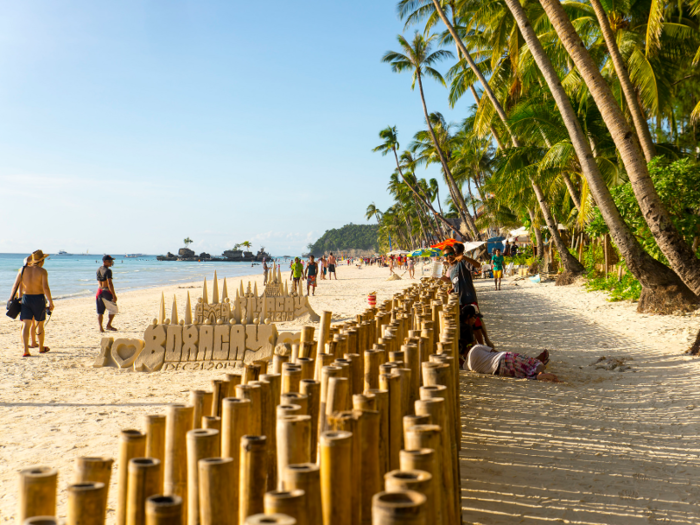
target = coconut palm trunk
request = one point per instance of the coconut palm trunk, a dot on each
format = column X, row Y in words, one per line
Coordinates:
column 571, row 264
column 575, row 196
column 655, row 277
column 459, row 203
column 672, row 244
column 638, row 118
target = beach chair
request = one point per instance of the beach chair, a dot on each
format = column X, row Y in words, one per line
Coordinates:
column 509, row 269
column 486, row 271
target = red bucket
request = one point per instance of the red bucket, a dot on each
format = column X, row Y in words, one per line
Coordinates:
column 372, row 300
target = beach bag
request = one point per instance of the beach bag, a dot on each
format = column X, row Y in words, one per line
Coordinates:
column 14, row 305
column 111, row 306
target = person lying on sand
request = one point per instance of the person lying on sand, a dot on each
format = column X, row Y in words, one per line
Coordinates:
column 485, row 360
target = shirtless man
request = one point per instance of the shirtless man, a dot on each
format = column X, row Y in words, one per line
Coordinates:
column 33, row 283
column 105, row 290
column 331, row 266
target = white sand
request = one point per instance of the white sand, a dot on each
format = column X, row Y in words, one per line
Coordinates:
column 603, row 447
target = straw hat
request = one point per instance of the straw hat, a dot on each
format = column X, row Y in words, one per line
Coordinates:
column 36, row 257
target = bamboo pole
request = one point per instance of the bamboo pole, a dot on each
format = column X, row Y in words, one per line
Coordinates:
column 98, row 470
column 154, row 428
column 197, row 402
column 275, row 381
column 268, row 424
column 364, row 402
column 327, row 372
column 291, row 375
column 295, row 398
column 144, row 477
column 424, row 459
column 233, row 380
column 323, row 359
column 201, row 444
column 42, row 520
column 336, row 468
column 381, row 402
column 307, row 367
column 293, row 441
column 324, row 331
column 132, row 444
column 288, row 410
column 217, row 504
column 253, row 476
column 177, row 423
column 417, row 480
column 252, row 392
column 398, row 508
column 338, row 395
column 277, row 362
column 270, row 519
column 356, row 373
column 312, row 390
column 291, row 503
column 392, row 384
column 217, row 386
column 87, row 504
column 406, row 407
column 213, row 423
column 371, row 376
column 164, row 510
column 307, row 336
column 306, row 477
column 349, row 421
column 251, row 372
column 412, row 362
column 411, row 421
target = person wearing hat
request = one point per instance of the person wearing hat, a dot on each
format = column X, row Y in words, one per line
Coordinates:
column 105, row 291
column 33, row 283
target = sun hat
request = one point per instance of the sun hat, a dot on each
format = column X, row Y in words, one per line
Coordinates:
column 36, row 257
column 107, row 258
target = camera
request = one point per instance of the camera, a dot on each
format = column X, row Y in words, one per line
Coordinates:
column 48, row 311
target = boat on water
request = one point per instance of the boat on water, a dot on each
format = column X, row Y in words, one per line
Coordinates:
column 133, row 255
column 63, row 252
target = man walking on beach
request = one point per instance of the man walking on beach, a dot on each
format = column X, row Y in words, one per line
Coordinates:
column 497, row 261
column 311, row 273
column 266, row 269
column 106, row 291
column 297, row 274
column 33, row 283
column 331, row 267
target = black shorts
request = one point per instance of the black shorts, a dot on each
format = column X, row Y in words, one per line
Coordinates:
column 331, row 268
column 33, row 307
column 105, row 294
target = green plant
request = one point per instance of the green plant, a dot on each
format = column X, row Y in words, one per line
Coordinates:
column 626, row 289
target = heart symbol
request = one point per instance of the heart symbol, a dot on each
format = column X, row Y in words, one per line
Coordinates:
column 125, row 351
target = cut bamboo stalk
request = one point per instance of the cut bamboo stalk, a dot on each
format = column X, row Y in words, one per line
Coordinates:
column 412, row 361
column 338, row 394
column 263, row 364
column 411, row 421
column 397, row 357
column 336, row 476
column 430, row 436
column 291, row 375
column 293, row 442
column 252, row 392
column 251, row 372
column 392, row 384
column 132, row 444
column 164, row 510
column 371, row 376
column 277, row 362
column 233, row 379
column 417, row 480
column 178, row 423
column 235, row 423
column 364, row 402
column 217, row 386
column 312, row 390
column 275, row 381
column 350, row 421
column 295, row 398
column 324, row 331
column 87, row 504
column 154, row 428
column 42, row 520
column 381, row 402
column 398, row 508
column 307, row 367
column 306, row 477
column 406, row 407
column 321, row 361
column 424, row 459
column 268, row 417
column 213, row 423
column 144, row 477
column 216, row 492
column 291, row 503
column 356, row 373
column 307, row 336
column 326, row 373
column 201, row 444
column 209, row 402
column 270, row 519
column 98, row 470
column 253, row 476
column 197, row 402
column 288, row 410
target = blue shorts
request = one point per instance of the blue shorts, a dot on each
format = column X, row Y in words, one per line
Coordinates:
column 33, row 307
column 106, row 294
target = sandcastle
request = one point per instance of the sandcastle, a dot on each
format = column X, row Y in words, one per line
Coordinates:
column 221, row 333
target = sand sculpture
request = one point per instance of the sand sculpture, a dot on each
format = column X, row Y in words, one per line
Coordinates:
column 221, row 333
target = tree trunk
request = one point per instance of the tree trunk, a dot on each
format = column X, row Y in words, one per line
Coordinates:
column 654, row 276
column 572, row 191
column 671, row 243
column 461, row 206
column 538, row 234
column 638, row 118
column 571, row 264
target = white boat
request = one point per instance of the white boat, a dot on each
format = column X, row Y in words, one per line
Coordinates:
column 62, row 252
column 133, row 255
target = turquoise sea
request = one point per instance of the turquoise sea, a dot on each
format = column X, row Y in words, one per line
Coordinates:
column 74, row 275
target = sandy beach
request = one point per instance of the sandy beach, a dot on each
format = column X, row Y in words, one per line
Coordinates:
column 604, row 446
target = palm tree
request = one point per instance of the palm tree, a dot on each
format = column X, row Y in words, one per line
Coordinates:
column 678, row 252
column 417, row 57
column 187, row 241
column 246, row 245
column 653, row 275
column 373, row 212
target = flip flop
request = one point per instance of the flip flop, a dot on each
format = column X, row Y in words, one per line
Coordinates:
column 46, row 349
column 27, row 355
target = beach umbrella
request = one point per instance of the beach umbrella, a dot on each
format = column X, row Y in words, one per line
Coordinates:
column 426, row 252
column 444, row 244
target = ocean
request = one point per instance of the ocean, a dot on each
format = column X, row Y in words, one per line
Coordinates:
column 74, row 275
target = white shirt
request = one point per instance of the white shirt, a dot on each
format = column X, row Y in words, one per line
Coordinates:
column 481, row 359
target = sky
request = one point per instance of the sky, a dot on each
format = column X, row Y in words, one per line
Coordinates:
column 127, row 126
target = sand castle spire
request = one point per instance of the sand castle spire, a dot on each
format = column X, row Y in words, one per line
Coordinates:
column 224, row 292
column 255, row 290
column 215, row 291
column 173, row 314
column 242, row 292
column 161, row 310
column 205, row 298
column 286, row 289
column 188, row 310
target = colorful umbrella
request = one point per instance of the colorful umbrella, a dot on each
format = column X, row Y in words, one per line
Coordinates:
column 444, row 244
column 426, row 252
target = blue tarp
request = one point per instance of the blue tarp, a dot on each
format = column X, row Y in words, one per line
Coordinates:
column 493, row 243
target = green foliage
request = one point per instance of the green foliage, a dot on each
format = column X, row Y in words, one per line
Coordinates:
column 187, row 241
column 349, row 237
column 678, row 185
column 525, row 256
column 626, row 289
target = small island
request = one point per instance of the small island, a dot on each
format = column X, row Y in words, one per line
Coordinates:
column 233, row 255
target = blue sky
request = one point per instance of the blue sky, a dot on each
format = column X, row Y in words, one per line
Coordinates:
column 127, row 126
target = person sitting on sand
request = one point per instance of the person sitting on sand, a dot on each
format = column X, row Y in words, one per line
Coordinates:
column 485, row 360
column 105, row 290
column 33, row 284
column 310, row 275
